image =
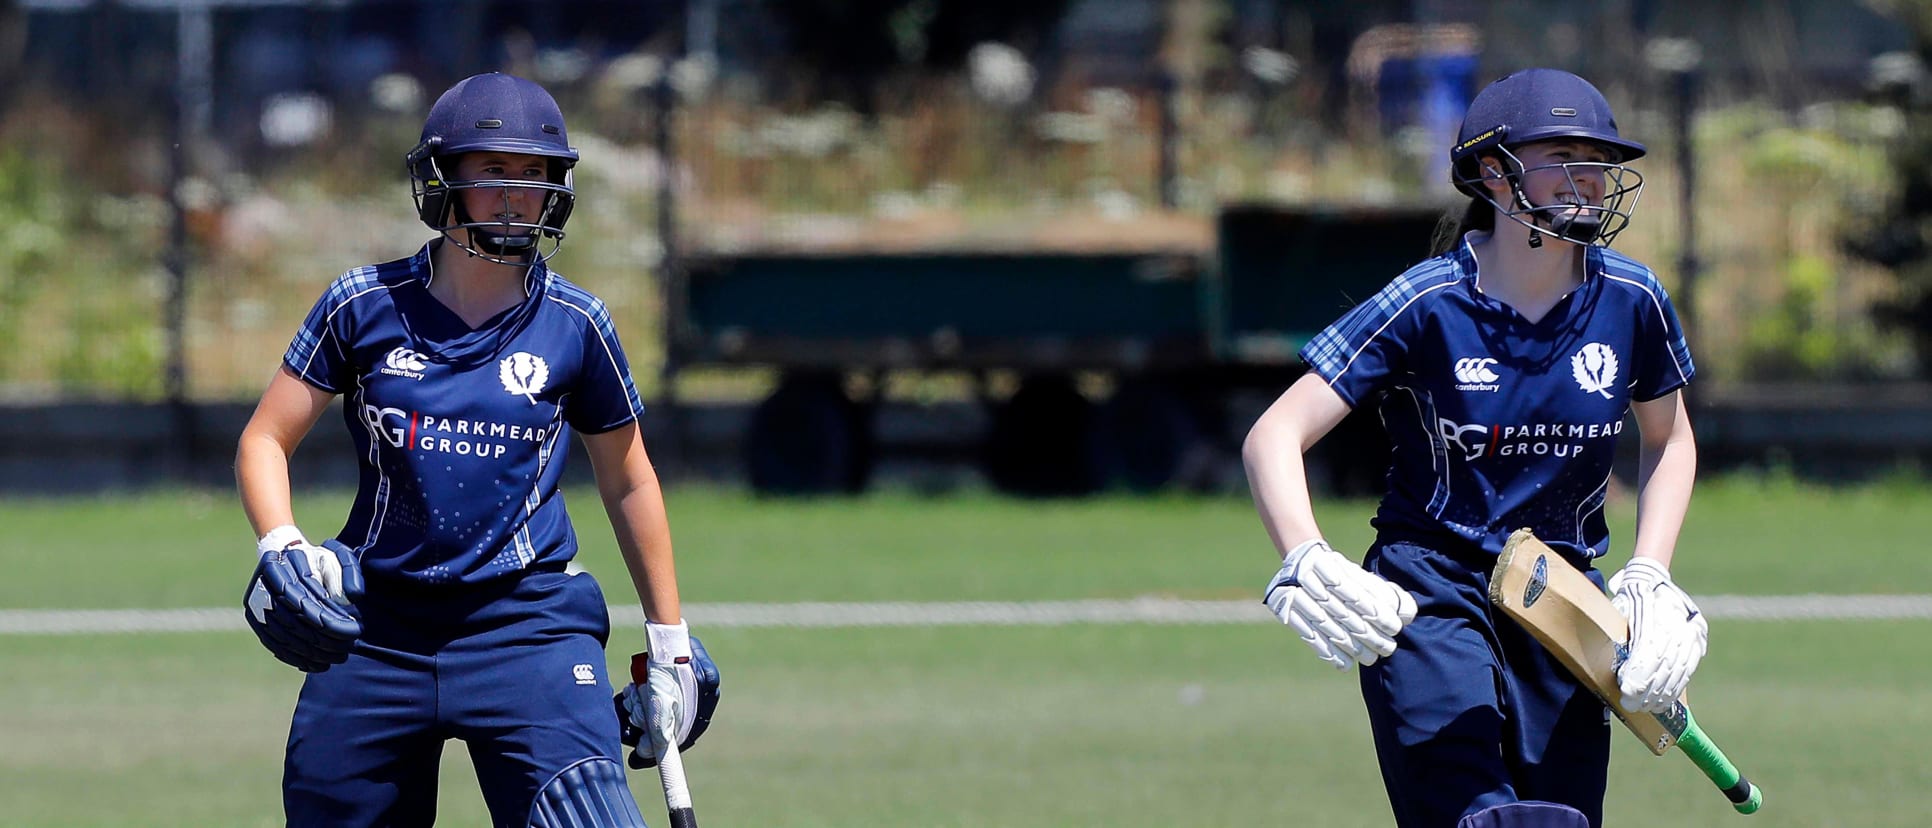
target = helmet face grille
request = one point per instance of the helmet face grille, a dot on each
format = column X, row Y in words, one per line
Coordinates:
column 1581, row 222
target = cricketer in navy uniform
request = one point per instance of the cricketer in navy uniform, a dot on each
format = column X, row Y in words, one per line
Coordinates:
column 1502, row 370
column 442, row 609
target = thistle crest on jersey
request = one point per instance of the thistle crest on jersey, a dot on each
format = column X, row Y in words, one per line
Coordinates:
column 524, row 374
column 1595, row 369
column 1546, row 105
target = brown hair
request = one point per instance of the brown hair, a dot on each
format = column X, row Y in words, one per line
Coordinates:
column 1478, row 214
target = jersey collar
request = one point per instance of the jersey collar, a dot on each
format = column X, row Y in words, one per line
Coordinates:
column 1466, row 259
column 422, row 266
column 486, row 343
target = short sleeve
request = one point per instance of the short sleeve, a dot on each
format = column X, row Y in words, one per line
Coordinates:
column 319, row 354
column 606, row 398
column 1360, row 352
column 1664, row 358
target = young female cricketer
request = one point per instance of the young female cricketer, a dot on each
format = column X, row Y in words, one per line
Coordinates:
column 442, row 609
column 1502, row 369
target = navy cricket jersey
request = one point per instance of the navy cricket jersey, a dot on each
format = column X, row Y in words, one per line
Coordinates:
column 461, row 434
column 1495, row 423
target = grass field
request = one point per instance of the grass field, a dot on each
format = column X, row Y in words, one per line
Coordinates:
column 1090, row 725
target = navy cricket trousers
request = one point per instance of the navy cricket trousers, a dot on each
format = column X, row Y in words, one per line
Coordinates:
column 516, row 670
column 1471, row 712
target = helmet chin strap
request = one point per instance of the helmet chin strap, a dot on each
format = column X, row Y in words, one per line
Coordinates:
column 513, row 244
column 1580, row 225
column 496, row 246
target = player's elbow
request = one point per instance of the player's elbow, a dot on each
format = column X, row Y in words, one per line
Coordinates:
column 618, row 482
column 1267, row 438
column 255, row 441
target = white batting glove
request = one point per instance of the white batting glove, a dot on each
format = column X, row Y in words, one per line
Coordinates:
column 665, row 708
column 1668, row 636
column 326, row 566
column 1345, row 613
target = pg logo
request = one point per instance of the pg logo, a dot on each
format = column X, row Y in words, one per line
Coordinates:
column 391, row 424
column 1475, row 370
column 1471, row 440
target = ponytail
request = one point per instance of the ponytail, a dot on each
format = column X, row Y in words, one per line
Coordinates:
column 1478, row 214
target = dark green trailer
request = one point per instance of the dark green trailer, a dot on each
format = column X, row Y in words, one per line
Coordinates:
column 1173, row 334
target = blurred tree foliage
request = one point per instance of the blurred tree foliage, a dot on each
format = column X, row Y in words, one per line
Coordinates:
column 33, row 215
column 1899, row 235
column 1801, row 305
column 79, row 276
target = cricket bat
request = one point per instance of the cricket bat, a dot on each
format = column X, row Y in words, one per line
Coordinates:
column 1575, row 620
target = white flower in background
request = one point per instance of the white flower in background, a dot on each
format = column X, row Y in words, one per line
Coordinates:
column 1000, row 74
column 294, row 120
column 396, row 92
column 1269, row 65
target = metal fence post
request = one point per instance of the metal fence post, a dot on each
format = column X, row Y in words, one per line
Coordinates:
column 1678, row 59
column 193, row 95
column 1167, row 177
column 670, row 275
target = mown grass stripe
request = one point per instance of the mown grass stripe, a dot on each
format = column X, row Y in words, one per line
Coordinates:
column 961, row 613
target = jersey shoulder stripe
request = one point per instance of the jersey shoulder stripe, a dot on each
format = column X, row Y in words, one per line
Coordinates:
column 568, row 293
column 592, row 310
column 1331, row 352
column 1628, row 274
column 1631, row 273
column 323, row 327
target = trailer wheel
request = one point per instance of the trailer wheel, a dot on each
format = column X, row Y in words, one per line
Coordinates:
column 1044, row 441
column 1154, row 438
column 809, row 438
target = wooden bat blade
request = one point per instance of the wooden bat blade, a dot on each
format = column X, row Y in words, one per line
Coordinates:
column 1575, row 621
column 1565, row 611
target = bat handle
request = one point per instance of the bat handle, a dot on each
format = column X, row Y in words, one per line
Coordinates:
column 1744, row 796
column 677, row 793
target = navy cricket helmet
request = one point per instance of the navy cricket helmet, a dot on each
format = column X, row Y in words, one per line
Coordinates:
column 494, row 112
column 1545, row 105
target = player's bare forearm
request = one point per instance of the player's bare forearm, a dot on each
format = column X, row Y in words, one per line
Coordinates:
column 1666, row 472
column 288, row 410
column 634, row 500
column 1272, row 455
column 261, row 474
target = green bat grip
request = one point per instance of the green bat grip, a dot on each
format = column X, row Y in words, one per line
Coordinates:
column 1744, row 796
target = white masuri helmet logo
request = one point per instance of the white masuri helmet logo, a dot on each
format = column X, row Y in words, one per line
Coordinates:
column 524, row 373
column 1595, row 369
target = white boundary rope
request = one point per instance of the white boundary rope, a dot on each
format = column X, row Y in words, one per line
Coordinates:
column 1160, row 611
